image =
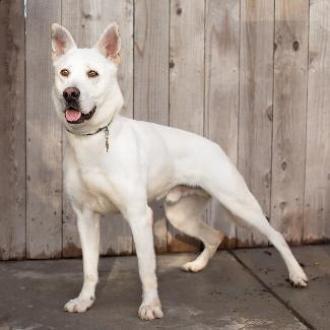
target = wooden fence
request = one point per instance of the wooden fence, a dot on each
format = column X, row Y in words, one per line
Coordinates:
column 253, row 75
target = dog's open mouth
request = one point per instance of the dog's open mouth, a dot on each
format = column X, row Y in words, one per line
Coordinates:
column 75, row 116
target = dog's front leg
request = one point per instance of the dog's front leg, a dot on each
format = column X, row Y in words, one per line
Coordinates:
column 89, row 232
column 141, row 226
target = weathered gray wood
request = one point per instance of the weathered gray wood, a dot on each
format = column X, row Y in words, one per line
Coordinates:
column 289, row 117
column 317, row 191
column 171, row 38
column 44, row 136
column 87, row 20
column 222, row 92
column 151, row 74
column 186, row 81
column 12, row 130
column 256, row 87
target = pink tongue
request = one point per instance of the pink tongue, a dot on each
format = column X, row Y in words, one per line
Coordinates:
column 72, row 115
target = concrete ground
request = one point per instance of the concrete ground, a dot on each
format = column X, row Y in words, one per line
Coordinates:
column 242, row 289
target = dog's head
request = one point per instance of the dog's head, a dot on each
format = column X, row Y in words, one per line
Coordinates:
column 86, row 91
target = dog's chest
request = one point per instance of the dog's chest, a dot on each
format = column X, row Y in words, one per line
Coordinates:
column 88, row 183
column 98, row 188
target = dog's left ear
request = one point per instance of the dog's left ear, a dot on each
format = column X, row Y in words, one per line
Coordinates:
column 62, row 41
column 109, row 43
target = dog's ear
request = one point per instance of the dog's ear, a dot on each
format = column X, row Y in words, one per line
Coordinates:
column 109, row 43
column 62, row 41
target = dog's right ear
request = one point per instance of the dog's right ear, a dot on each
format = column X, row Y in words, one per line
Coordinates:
column 109, row 43
column 62, row 41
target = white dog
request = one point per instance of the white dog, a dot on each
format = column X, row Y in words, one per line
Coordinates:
column 118, row 164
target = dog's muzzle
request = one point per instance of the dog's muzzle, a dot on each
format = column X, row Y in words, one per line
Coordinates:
column 72, row 112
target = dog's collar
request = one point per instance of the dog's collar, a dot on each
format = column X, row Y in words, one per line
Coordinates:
column 106, row 130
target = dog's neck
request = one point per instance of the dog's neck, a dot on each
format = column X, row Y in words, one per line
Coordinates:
column 105, row 130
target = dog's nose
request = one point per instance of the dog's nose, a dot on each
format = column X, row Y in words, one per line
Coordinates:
column 71, row 94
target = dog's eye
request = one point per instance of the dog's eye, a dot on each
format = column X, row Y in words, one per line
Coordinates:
column 64, row 72
column 92, row 74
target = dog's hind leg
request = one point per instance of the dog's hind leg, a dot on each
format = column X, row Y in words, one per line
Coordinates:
column 253, row 217
column 228, row 186
column 183, row 208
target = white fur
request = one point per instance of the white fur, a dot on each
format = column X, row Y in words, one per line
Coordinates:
column 145, row 162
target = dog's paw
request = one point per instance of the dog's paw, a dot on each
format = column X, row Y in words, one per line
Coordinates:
column 78, row 305
column 194, row 266
column 298, row 279
column 151, row 311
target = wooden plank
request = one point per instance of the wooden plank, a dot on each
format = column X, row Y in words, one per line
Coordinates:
column 86, row 20
column 44, row 135
column 317, row 191
column 186, row 82
column 12, row 128
column 222, row 92
column 151, row 74
column 289, row 117
column 256, row 87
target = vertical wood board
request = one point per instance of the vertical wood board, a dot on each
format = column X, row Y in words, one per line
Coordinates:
column 12, row 130
column 289, row 117
column 44, row 136
column 222, row 92
column 255, row 117
column 86, row 20
column 186, row 82
column 151, row 81
column 317, row 191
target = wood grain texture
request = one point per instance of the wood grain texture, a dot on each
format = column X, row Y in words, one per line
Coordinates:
column 317, row 191
column 255, row 118
column 12, row 128
column 252, row 75
column 86, row 20
column 151, row 80
column 289, row 117
column 222, row 92
column 44, row 136
column 186, row 82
